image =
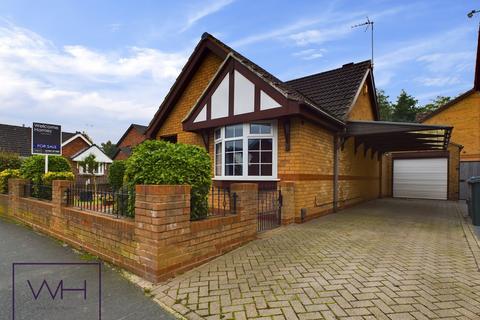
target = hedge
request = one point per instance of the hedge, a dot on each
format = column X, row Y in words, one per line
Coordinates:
column 116, row 171
column 48, row 177
column 161, row 162
column 4, row 176
column 9, row 160
column 33, row 168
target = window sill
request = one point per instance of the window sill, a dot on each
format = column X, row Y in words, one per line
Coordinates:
column 234, row 178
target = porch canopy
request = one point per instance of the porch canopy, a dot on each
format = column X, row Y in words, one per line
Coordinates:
column 383, row 136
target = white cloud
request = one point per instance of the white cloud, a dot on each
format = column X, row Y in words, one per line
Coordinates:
column 329, row 25
column 438, row 81
column 80, row 87
column 205, row 10
column 309, row 54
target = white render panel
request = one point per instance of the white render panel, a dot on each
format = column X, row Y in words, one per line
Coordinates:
column 267, row 102
column 220, row 100
column 244, row 98
column 202, row 115
column 420, row 178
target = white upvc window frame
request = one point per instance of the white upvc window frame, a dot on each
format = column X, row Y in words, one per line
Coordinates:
column 99, row 172
column 247, row 135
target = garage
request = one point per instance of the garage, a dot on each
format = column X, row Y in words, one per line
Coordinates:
column 420, row 178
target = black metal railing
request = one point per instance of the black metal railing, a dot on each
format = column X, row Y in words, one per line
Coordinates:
column 221, row 201
column 38, row 191
column 103, row 199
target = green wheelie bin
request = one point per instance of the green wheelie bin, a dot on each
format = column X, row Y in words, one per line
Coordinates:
column 474, row 200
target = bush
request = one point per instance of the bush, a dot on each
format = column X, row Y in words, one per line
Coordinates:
column 116, row 171
column 33, row 168
column 4, row 176
column 48, row 177
column 161, row 162
column 9, row 160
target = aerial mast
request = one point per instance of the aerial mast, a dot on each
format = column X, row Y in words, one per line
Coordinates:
column 368, row 24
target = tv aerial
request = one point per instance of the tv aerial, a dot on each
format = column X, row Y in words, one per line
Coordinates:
column 368, row 25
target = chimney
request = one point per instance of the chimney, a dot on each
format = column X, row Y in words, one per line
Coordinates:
column 476, row 83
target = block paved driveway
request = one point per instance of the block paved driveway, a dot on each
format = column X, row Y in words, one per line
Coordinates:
column 386, row 259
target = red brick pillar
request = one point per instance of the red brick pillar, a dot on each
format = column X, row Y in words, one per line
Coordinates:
column 59, row 200
column 162, row 221
column 16, row 188
column 247, row 206
column 288, row 205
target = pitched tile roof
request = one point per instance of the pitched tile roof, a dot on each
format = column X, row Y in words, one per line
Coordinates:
column 17, row 139
column 285, row 87
column 333, row 90
column 328, row 92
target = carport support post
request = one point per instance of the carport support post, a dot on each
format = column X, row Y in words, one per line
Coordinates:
column 336, row 146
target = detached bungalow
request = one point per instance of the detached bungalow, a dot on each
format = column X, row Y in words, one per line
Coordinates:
column 317, row 135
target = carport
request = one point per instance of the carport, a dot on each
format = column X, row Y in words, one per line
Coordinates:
column 419, row 156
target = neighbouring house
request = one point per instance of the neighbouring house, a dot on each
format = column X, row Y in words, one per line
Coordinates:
column 463, row 113
column 101, row 173
column 133, row 136
column 318, row 135
column 75, row 147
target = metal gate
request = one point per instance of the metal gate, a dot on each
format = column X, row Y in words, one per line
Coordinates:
column 467, row 170
column 269, row 214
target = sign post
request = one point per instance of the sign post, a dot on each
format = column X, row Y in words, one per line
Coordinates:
column 46, row 140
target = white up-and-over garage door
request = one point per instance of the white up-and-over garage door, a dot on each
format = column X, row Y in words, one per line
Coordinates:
column 420, row 178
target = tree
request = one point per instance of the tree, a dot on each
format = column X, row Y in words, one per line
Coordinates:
column 405, row 109
column 109, row 148
column 435, row 104
column 384, row 106
column 90, row 165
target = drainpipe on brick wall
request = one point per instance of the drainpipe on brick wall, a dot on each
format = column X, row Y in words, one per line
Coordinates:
column 336, row 146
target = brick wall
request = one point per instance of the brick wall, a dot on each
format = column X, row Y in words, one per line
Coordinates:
column 362, row 109
column 132, row 139
column 173, row 123
column 160, row 242
column 74, row 147
column 464, row 116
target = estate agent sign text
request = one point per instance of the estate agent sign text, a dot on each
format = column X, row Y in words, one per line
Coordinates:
column 46, row 139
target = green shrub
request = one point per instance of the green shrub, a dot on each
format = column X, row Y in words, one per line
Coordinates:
column 116, row 171
column 4, row 176
column 33, row 168
column 161, row 162
column 9, row 160
column 48, row 177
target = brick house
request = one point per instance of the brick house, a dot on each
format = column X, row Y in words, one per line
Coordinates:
column 463, row 113
column 133, row 136
column 319, row 135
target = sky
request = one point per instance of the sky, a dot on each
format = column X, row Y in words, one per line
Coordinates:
column 98, row 66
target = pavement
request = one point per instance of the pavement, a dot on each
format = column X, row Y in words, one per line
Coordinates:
column 385, row 259
column 120, row 299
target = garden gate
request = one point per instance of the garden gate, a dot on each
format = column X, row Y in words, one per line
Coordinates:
column 269, row 212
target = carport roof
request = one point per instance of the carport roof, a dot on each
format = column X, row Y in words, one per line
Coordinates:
column 382, row 136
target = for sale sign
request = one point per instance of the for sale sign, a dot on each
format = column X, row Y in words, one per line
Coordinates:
column 46, row 138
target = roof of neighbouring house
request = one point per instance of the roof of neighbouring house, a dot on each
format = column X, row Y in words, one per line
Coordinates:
column 140, row 128
column 17, row 139
column 100, row 156
column 333, row 97
column 476, row 87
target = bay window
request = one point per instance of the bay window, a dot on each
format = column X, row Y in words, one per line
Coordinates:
column 246, row 151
